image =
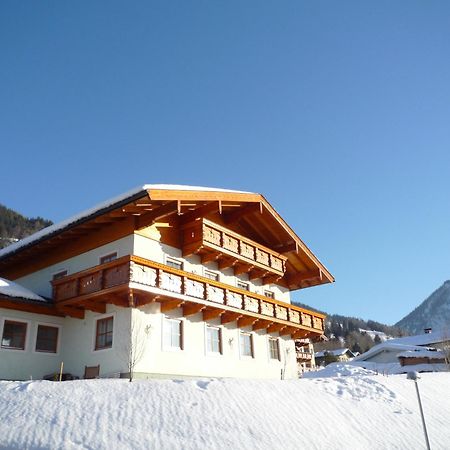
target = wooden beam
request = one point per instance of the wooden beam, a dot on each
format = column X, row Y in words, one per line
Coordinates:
column 257, row 273
column 275, row 327
column 261, row 325
column 209, row 314
column 202, row 211
column 210, row 257
column 227, row 262
column 229, row 316
column 95, row 307
column 299, row 334
column 190, row 309
column 239, row 213
column 29, row 307
column 287, row 248
column 246, row 321
column 305, row 277
column 287, row 330
column 240, row 268
column 72, row 312
column 157, row 214
column 170, row 304
column 271, row 279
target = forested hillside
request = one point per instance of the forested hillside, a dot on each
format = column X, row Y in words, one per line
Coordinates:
column 354, row 333
column 14, row 226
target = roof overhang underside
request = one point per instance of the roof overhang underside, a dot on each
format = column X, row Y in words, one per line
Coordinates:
column 248, row 213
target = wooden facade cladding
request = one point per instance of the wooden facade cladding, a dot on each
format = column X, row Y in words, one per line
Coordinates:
column 217, row 243
column 174, row 288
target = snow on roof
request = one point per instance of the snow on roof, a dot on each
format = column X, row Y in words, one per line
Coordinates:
column 102, row 206
column 423, row 339
column 386, row 346
column 11, row 289
column 337, row 352
column 424, row 353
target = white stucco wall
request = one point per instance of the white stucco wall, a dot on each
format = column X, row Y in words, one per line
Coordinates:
column 194, row 360
column 39, row 281
column 76, row 346
column 29, row 364
column 146, row 247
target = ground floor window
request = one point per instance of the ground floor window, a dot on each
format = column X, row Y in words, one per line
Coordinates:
column 14, row 334
column 246, row 344
column 47, row 339
column 173, row 334
column 274, row 348
column 213, row 340
column 104, row 333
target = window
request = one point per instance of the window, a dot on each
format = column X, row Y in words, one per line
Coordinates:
column 172, row 262
column 108, row 258
column 213, row 340
column 246, row 344
column 212, row 275
column 14, row 334
column 60, row 274
column 173, row 334
column 243, row 285
column 104, row 333
column 269, row 294
column 47, row 339
column 274, row 348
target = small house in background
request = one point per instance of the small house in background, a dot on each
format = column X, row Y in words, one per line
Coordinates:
column 161, row 281
column 338, row 355
column 423, row 356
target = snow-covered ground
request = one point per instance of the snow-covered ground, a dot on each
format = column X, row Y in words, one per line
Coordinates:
column 360, row 411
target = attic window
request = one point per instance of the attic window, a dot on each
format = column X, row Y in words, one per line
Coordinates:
column 243, row 285
column 108, row 258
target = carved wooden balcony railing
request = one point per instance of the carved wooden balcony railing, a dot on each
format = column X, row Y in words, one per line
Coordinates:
column 304, row 356
column 140, row 274
column 216, row 243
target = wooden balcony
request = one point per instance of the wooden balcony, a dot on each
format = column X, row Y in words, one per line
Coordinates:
column 303, row 356
column 216, row 243
column 134, row 281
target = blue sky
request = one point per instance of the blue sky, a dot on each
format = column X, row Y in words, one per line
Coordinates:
column 338, row 112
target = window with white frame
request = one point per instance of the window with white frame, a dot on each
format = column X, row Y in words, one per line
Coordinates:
column 173, row 334
column 104, row 333
column 211, row 275
column 274, row 348
column 269, row 294
column 14, row 335
column 243, row 285
column 108, row 258
column 213, row 340
column 174, row 263
column 47, row 339
column 246, row 344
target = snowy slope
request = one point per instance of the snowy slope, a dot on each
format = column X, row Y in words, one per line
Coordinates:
column 434, row 312
column 354, row 412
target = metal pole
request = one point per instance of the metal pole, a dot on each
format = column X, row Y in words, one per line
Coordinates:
column 423, row 417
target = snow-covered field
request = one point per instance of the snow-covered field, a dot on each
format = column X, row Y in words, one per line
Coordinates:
column 359, row 411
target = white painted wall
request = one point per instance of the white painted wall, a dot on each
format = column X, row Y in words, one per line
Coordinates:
column 154, row 250
column 193, row 360
column 39, row 281
column 26, row 364
column 76, row 346
column 79, row 343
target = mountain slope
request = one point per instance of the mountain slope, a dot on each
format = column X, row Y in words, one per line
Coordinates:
column 434, row 312
column 14, row 226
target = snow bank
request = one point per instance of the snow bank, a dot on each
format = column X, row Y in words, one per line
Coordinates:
column 360, row 412
column 11, row 289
